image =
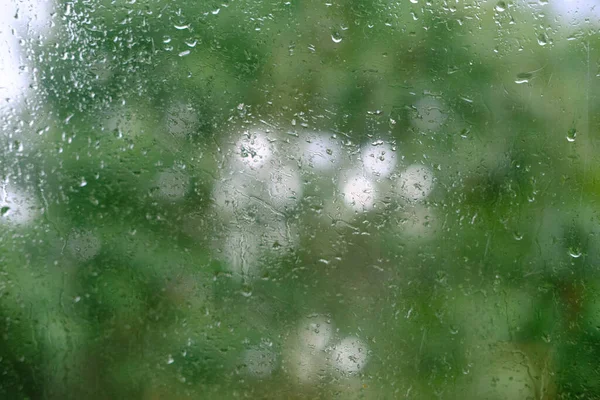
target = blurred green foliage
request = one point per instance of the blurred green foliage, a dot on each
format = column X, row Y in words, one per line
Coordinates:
column 123, row 284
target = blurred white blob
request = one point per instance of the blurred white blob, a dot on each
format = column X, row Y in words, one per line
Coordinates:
column 19, row 19
column 305, row 357
column 260, row 361
column 32, row 15
column 428, row 114
column 172, row 185
column 315, row 333
column 415, row 182
column 241, row 251
column 83, row 245
column 358, row 192
column 284, row 186
column 378, row 158
column 231, row 194
column 321, row 151
column 14, row 81
column 576, row 11
column 349, row 355
column 253, row 149
column 17, row 207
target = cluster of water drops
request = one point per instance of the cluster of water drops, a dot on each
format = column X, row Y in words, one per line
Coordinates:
column 310, row 352
column 267, row 175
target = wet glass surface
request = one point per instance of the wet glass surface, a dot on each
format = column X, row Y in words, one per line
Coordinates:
column 299, row 199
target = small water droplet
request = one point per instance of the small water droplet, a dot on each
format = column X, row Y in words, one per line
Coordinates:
column 453, row 330
column 574, row 252
column 546, row 337
column 246, row 290
column 170, row 359
column 517, row 235
column 571, row 135
column 82, row 183
column 336, row 38
column 523, row 77
column 184, row 53
column 215, row 12
column 500, row 6
column 542, row 39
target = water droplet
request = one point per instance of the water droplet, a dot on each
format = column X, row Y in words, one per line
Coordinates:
column 500, row 6
column 82, row 183
column 336, row 38
column 215, row 12
column 414, row 1
column 542, row 39
column 246, row 290
column 574, row 252
column 546, row 337
column 184, row 53
column 517, row 235
column 571, row 135
column 170, row 359
column 523, row 77
column 453, row 330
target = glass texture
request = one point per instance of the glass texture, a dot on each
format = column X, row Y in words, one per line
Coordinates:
column 271, row 199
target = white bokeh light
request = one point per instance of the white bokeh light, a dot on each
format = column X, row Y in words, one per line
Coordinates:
column 415, row 183
column 254, row 149
column 18, row 206
column 284, row 187
column 572, row 12
column 349, row 356
column 315, row 333
column 321, row 151
column 231, row 194
column 33, row 19
column 429, row 114
column 241, row 251
column 305, row 357
column 358, row 193
column 14, row 81
column 379, row 159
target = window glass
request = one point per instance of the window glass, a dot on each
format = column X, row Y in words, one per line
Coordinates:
column 338, row 199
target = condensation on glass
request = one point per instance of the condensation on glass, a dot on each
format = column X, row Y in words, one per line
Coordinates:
column 299, row 199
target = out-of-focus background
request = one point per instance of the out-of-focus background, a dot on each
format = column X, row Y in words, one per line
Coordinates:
column 297, row 199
